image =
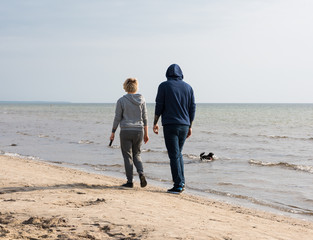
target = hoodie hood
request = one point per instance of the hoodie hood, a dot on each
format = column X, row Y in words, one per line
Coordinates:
column 136, row 99
column 174, row 72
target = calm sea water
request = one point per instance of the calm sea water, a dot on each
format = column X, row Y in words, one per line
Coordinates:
column 264, row 151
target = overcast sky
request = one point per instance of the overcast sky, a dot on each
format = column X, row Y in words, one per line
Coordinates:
column 230, row 51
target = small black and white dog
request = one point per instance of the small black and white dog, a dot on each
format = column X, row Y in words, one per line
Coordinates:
column 207, row 157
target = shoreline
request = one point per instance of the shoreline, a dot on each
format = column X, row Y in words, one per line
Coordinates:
column 197, row 193
column 41, row 200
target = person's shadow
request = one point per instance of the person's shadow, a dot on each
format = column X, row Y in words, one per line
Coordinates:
column 72, row 186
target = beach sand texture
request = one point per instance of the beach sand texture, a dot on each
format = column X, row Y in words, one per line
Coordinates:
column 43, row 201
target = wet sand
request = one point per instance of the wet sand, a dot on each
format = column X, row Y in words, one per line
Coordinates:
column 43, row 201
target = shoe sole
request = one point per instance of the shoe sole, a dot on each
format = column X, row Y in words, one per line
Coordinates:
column 172, row 192
column 129, row 186
column 176, row 193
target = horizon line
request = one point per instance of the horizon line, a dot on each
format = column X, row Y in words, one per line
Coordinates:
column 69, row 102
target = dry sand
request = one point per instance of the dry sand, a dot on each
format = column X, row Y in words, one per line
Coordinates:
column 43, row 201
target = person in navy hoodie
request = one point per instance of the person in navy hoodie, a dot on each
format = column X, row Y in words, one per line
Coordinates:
column 175, row 102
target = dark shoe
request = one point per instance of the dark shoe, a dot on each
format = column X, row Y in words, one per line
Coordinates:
column 175, row 190
column 128, row 185
column 143, row 181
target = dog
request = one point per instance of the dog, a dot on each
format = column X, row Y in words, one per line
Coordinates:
column 207, row 157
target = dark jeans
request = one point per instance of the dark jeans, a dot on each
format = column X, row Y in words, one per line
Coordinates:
column 131, row 142
column 175, row 136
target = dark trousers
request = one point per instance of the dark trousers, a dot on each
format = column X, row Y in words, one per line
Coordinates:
column 175, row 136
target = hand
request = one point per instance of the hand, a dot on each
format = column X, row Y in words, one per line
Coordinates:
column 156, row 129
column 189, row 132
column 112, row 136
column 146, row 138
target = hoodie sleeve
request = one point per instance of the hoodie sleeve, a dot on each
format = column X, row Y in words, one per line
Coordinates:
column 192, row 108
column 118, row 115
column 144, row 114
column 159, row 101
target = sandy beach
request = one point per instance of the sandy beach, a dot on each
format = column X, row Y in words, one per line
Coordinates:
column 39, row 200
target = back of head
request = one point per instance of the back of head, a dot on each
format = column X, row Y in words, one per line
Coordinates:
column 174, row 72
column 130, row 85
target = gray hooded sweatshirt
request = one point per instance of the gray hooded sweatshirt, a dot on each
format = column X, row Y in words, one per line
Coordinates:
column 130, row 113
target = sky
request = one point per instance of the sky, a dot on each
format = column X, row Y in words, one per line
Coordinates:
column 230, row 51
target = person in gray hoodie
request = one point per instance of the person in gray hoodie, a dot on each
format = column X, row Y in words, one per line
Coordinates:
column 131, row 115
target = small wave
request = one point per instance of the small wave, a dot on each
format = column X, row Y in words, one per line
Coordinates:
column 308, row 200
column 286, row 137
column 101, row 165
column 278, row 137
column 18, row 155
column 239, row 135
column 273, row 136
column 43, row 136
column 207, row 132
column 185, row 155
column 85, row 142
column 114, row 146
column 191, row 156
column 278, row 206
column 152, row 151
column 225, row 184
column 291, row 166
column 23, row 133
column 57, row 162
column 207, row 160
column 157, row 162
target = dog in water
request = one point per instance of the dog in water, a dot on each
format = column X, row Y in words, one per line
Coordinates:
column 209, row 156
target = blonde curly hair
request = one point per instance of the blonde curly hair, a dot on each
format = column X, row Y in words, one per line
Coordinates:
column 130, row 85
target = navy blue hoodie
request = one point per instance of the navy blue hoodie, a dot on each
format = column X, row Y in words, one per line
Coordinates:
column 175, row 99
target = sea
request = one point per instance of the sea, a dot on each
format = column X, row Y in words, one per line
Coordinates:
column 263, row 153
